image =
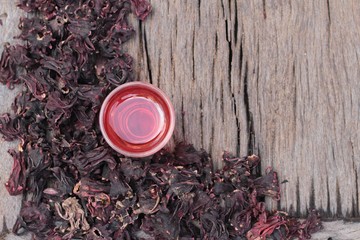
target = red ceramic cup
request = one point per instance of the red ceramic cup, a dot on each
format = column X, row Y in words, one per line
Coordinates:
column 137, row 119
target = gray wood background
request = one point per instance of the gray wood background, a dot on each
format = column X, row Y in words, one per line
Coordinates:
column 276, row 78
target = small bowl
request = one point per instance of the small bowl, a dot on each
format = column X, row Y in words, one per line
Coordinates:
column 137, row 119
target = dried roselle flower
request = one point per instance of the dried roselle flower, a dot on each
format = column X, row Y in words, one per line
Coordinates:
column 119, row 188
column 240, row 164
column 187, row 154
column 133, row 169
column 93, row 94
column 55, row 103
column 87, row 187
column 59, row 71
column 13, row 60
column 17, row 181
column 142, row 8
column 34, row 218
column 36, row 33
column 89, row 161
column 98, row 206
column 71, row 211
column 37, row 89
column 268, row 184
column 181, row 184
column 81, row 28
column 118, row 72
column 200, row 201
column 221, row 188
column 96, row 234
column 311, row 225
column 241, row 222
column 36, row 5
column 10, row 128
column 213, row 227
column 280, row 224
column 265, row 227
column 161, row 226
column 122, row 215
column 62, row 184
column 149, row 200
column 36, row 160
column 304, row 229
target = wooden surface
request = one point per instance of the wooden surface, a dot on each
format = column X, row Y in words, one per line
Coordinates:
column 275, row 78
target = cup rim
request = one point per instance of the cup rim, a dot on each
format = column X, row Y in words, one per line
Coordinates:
column 161, row 144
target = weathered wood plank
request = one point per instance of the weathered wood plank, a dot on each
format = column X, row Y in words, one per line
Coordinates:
column 304, row 95
column 184, row 48
column 338, row 230
column 276, row 78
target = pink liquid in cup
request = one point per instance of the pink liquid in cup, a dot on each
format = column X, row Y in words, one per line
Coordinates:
column 137, row 119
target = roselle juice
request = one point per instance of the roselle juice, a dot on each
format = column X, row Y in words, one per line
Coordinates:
column 137, row 119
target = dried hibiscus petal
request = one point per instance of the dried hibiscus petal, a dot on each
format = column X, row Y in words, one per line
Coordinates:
column 70, row 210
column 10, row 128
column 268, row 184
column 87, row 187
column 98, row 206
column 16, row 183
column 142, row 8
column 34, row 218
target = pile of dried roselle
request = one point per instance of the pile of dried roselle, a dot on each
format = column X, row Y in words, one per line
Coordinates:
column 74, row 185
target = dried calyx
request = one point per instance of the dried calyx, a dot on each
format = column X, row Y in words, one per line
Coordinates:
column 74, row 185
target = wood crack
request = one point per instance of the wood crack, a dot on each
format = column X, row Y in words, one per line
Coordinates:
column 193, row 55
column 328, row 209
column 329, row 23
column 264, row 8
column 355, row 210
column 183, row 118
column 237, row 125
column 148, row 62
column 201, row 121
column 199, row 12
column 248, row 115
column 227, row 31
column 312, row 195
column 223, row 8
column 298, row 202
column 230, row 61
column 328, row 10
column 236, row 25
column 338, row 200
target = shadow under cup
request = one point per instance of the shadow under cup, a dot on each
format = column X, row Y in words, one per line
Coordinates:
column 137, row 119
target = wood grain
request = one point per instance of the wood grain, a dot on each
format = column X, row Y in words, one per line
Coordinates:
column 275, row 78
